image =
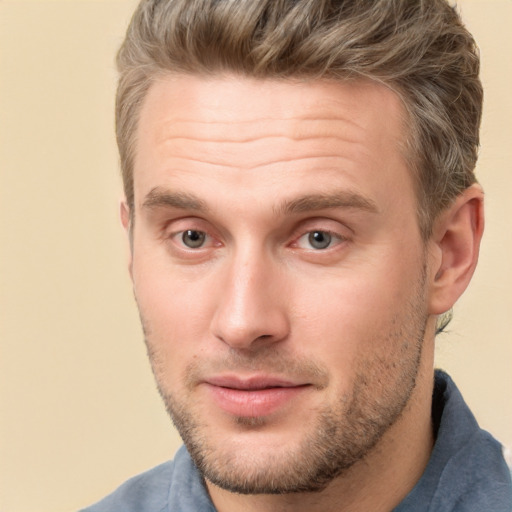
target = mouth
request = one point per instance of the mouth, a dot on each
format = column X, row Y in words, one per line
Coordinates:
column 255, row 396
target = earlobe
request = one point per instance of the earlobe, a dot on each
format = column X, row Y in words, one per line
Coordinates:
column 456, row 236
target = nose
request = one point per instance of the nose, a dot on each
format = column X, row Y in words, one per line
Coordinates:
column 251, row 311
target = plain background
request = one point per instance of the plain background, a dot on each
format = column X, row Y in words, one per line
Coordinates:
column 78, row 408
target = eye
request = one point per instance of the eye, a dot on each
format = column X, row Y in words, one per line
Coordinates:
column 193, row 239
column 319, row 240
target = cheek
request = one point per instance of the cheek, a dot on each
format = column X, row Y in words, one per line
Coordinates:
column 348, row 313
column 175, row 314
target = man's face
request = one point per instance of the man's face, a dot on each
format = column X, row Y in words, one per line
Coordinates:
column 279, row 272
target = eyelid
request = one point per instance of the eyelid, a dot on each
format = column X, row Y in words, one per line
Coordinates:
column 177, row 238
column 210, row 240
column 175, row 228
column 333, row 227
column 337, row 239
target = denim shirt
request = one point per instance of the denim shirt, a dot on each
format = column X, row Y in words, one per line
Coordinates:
column 466, row 471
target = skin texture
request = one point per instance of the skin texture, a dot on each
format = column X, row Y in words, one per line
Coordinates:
column 287, row 298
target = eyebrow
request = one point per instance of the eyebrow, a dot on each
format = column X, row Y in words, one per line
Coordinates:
column 337, row 199
column 159, row 198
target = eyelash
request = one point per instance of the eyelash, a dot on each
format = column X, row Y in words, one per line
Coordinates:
column 177, row 238
column 328, row 237
column 334, row 239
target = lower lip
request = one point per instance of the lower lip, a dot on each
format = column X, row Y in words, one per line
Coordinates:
column 254, row 403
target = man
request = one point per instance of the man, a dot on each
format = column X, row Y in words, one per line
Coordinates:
column 303, row 212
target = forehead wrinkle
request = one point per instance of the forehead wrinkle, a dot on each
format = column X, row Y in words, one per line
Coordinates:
column 260, row 129
column 228, row 164
column 251, row 152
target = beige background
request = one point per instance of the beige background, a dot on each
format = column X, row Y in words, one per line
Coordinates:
column 78, row 409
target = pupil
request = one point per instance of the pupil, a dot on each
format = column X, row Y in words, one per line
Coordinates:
column 319, row 239
column 193, row 239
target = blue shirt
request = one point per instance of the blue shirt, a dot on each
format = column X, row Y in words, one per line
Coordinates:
column 466, row 471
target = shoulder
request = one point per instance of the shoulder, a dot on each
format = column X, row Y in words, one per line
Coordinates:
column 467, row 471
column 473, row 475
column 476, row 478
column 176, row 485
column 143, row 493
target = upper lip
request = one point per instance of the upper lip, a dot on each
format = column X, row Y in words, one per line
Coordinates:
column 252, row 383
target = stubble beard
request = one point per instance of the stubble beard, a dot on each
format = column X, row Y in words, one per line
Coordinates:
column 341, row 434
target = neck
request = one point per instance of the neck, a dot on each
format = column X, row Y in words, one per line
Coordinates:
column 379, row 482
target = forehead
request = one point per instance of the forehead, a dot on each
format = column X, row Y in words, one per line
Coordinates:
column 250, row 132
column 251, row 104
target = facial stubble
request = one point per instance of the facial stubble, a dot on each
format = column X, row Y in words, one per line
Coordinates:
column 339, row 436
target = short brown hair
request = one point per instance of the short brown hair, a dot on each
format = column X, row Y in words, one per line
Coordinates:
column 418, row 48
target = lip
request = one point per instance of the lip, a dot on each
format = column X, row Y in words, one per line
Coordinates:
column 254, row 396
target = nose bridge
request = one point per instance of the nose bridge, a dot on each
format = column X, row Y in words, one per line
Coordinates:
column 250, row 308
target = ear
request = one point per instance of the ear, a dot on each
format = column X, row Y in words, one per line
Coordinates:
column 126, row 221
column 456, row 239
